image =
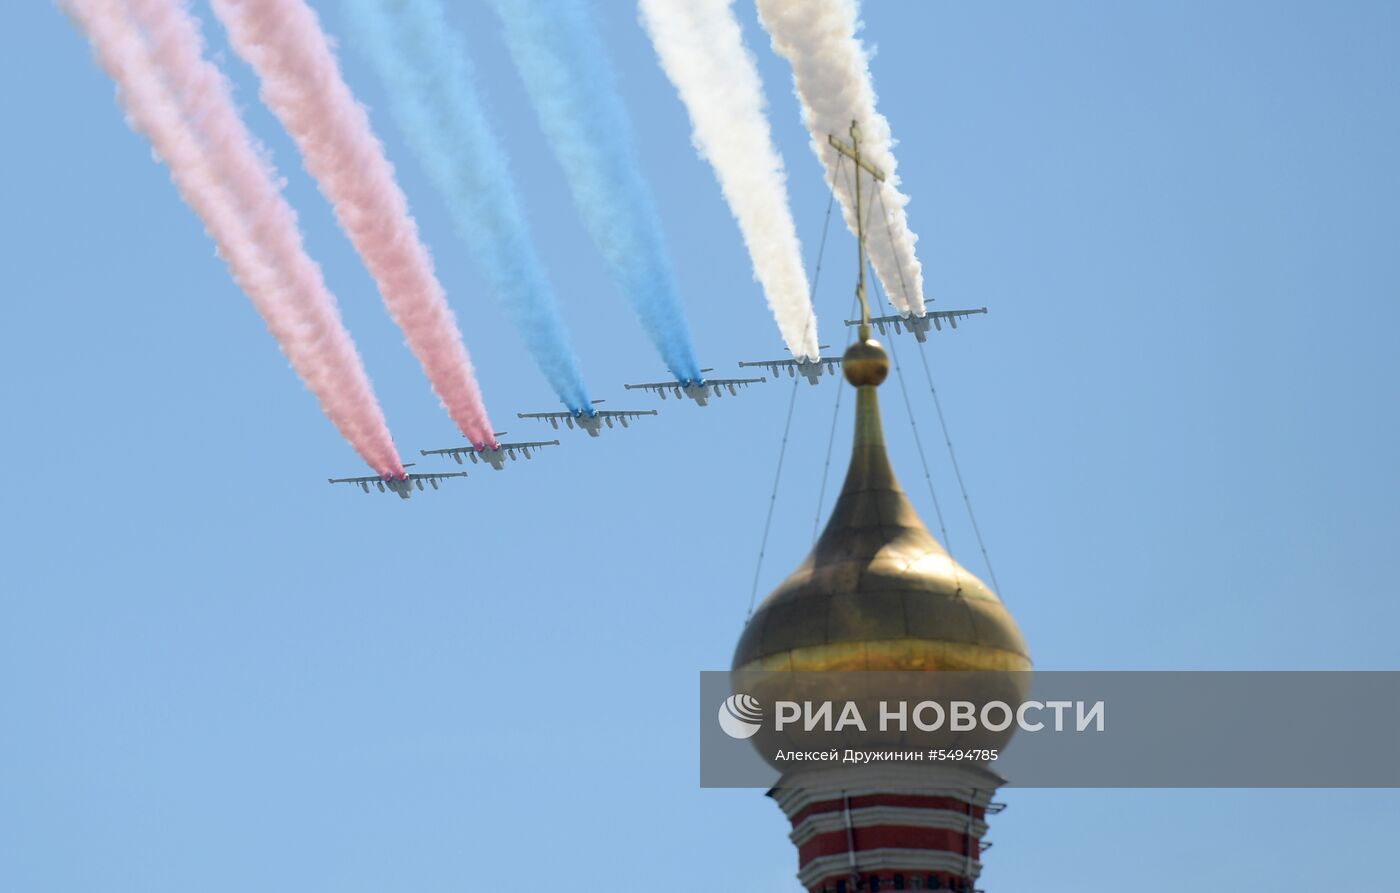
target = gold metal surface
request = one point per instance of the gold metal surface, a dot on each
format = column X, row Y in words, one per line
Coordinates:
column 878, row 592
column 865, row 363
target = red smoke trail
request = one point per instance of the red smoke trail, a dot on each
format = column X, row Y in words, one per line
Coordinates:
column 302, row 84
column 219, row 170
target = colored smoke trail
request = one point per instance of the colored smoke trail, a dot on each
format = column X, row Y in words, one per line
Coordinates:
column 220, row 172
column 831, row 71
column 302, row 84
column 701, row 47
column 433, row 95
column 565, row 69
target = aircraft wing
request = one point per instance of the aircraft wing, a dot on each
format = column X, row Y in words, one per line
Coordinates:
column 662, row 387
column 934, row 315
column 510, row 449
column 434, row 477
column 590, row 421
column 775, row 365
column 418, row 479
column 449, row 451
column 371, row 479
column 431, row 476
column 624, row 413
column 571, row 417
column 517, row 445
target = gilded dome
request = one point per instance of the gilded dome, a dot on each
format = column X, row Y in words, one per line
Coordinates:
column 878, row 592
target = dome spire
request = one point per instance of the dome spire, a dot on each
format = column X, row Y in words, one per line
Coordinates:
column 878, row 591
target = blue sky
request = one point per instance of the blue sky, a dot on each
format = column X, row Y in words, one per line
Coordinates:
column 1178, row 423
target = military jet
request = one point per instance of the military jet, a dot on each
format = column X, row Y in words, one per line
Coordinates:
column 918, row 325
column 811, row 369
column 699, row 390
column 402, row 486
column 590, row 420
column 495, row 457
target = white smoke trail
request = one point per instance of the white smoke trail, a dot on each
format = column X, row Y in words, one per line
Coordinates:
column 702, row 50
column 831, row 72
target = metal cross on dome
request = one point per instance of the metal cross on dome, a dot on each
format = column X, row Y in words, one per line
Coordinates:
column 852, row 151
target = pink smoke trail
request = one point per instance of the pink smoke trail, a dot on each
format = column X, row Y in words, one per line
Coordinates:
column 219, row 170
column 302, row 84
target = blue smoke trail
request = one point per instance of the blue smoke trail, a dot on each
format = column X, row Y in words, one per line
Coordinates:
column 432, row 89
column 565, row 68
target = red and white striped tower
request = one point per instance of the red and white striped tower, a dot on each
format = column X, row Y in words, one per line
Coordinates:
column 887, row 828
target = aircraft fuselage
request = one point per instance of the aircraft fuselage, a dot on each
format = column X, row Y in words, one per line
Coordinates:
column 495, row 458
column 697, row 391
column 702, row 391
column 811, row 371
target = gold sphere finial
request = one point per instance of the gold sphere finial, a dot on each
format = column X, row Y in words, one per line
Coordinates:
column 866, row 363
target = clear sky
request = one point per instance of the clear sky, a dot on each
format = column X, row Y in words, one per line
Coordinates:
column 1178, row 423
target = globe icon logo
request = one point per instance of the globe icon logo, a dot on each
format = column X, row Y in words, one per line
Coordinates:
column 740, row 716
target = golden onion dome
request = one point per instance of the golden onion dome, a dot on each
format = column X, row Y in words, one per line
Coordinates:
column 878, row 592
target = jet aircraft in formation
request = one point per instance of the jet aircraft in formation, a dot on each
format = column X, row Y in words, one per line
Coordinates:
column 918, row 325
column 698, row 390
column 590, row 420
column 402, row 486
column 593, row 420
column 496, row 457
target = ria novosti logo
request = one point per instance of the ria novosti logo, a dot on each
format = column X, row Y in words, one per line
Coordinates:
column 741, row 716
